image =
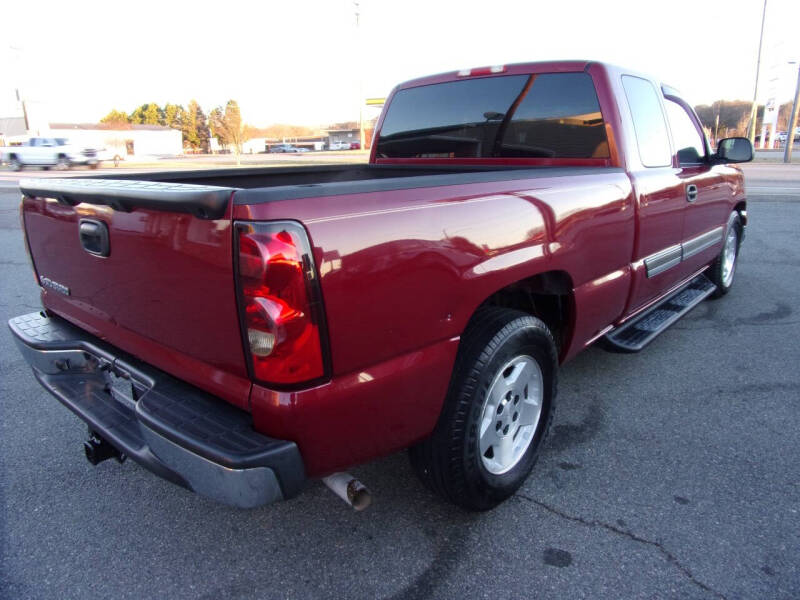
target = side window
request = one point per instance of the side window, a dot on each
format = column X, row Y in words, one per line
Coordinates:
column 688, row 141
column 35, row 142
column 648, row 122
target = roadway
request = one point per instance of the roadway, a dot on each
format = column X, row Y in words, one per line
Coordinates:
column 672, row 473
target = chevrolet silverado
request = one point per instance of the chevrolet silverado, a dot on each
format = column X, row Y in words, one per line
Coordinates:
column 238, row 332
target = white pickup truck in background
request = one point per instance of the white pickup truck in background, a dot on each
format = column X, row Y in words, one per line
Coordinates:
column 48, row 152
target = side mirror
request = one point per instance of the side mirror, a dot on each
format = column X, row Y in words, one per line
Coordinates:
column 734, row 150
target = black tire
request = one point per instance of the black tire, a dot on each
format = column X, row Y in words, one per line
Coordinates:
column 717, row 271
column 62, row 163
column 15, row 164
column 449, row 462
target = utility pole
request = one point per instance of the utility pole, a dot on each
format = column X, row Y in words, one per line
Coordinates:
column 21, row 100
column 754, row 109
column 787, row 152
column 361, row 141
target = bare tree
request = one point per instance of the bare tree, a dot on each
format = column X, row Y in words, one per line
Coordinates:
column 227, row 126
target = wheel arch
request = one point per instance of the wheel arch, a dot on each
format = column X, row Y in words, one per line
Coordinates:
column 741, row 208
column 548, row 296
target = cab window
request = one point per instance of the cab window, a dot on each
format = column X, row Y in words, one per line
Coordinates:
column 689, row 144
column 648, row 122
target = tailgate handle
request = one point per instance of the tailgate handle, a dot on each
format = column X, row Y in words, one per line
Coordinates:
column 94, row 237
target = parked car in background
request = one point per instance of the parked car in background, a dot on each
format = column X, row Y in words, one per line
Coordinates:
column 355, row 145
column 301, row 149
column 782, row 136
column 48, row 153
column 339, row 146
column 279, row 148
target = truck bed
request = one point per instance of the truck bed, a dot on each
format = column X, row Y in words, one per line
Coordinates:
column 286, row 183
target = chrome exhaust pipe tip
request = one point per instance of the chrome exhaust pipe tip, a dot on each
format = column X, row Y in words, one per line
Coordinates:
column 349, row 489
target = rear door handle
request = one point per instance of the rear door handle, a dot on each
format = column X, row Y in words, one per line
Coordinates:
column 691, row 192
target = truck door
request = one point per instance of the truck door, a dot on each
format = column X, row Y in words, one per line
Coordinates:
column 42, row 151
column 35, row 154
column 707, row 197
column 660, row 196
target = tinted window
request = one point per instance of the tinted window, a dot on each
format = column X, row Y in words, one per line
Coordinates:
column 648, row 121
column 552, row 115
column 688, row 142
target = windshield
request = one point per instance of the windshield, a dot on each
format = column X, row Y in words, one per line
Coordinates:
column 550, row 115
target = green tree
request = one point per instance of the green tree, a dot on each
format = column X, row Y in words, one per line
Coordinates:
column 195, row 127
column 148, row 114
column 116, row 118
column 174, row 115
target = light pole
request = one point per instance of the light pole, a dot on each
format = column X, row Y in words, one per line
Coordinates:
column 754, row 109
column 20, row 96
column 356, row 6
column 787, row 152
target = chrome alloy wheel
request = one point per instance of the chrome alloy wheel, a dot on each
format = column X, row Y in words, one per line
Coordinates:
column 729, row 255
column 510, row 414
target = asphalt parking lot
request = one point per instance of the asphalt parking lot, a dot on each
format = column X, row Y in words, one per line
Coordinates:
column 672, row 473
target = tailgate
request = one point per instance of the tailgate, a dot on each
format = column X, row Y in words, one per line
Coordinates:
column 145, row 266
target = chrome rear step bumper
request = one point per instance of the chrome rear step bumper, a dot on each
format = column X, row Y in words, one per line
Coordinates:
column 175, row 430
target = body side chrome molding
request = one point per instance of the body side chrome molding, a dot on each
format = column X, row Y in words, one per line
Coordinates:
column 672, row 256
column 701, row 242
column 663, row 260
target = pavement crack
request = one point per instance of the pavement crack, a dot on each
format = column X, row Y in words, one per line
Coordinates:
column 671, row 558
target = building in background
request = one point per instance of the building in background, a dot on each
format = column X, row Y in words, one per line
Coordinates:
column 349, row 136
column 12, row 130
column 254, row 145
column 132, row 141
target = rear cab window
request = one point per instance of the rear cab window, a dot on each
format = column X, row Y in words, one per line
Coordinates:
column 547, row 115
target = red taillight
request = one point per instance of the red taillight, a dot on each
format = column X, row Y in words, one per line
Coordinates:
column 280, row 303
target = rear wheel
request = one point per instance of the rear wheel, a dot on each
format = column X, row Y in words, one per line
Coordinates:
column 723, row 269
column 497, row 412
column 14, row 164
column 62, row 163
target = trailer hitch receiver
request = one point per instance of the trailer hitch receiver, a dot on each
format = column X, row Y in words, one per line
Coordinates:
column 97, row 450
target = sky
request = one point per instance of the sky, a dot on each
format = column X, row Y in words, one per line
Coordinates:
column 305, row 61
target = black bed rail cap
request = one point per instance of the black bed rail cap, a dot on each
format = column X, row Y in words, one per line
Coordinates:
column 202, row 201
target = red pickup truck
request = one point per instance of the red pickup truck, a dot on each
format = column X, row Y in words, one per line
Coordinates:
column 240, row 331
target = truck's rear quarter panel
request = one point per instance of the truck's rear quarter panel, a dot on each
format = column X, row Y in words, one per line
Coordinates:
column 403, row 271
